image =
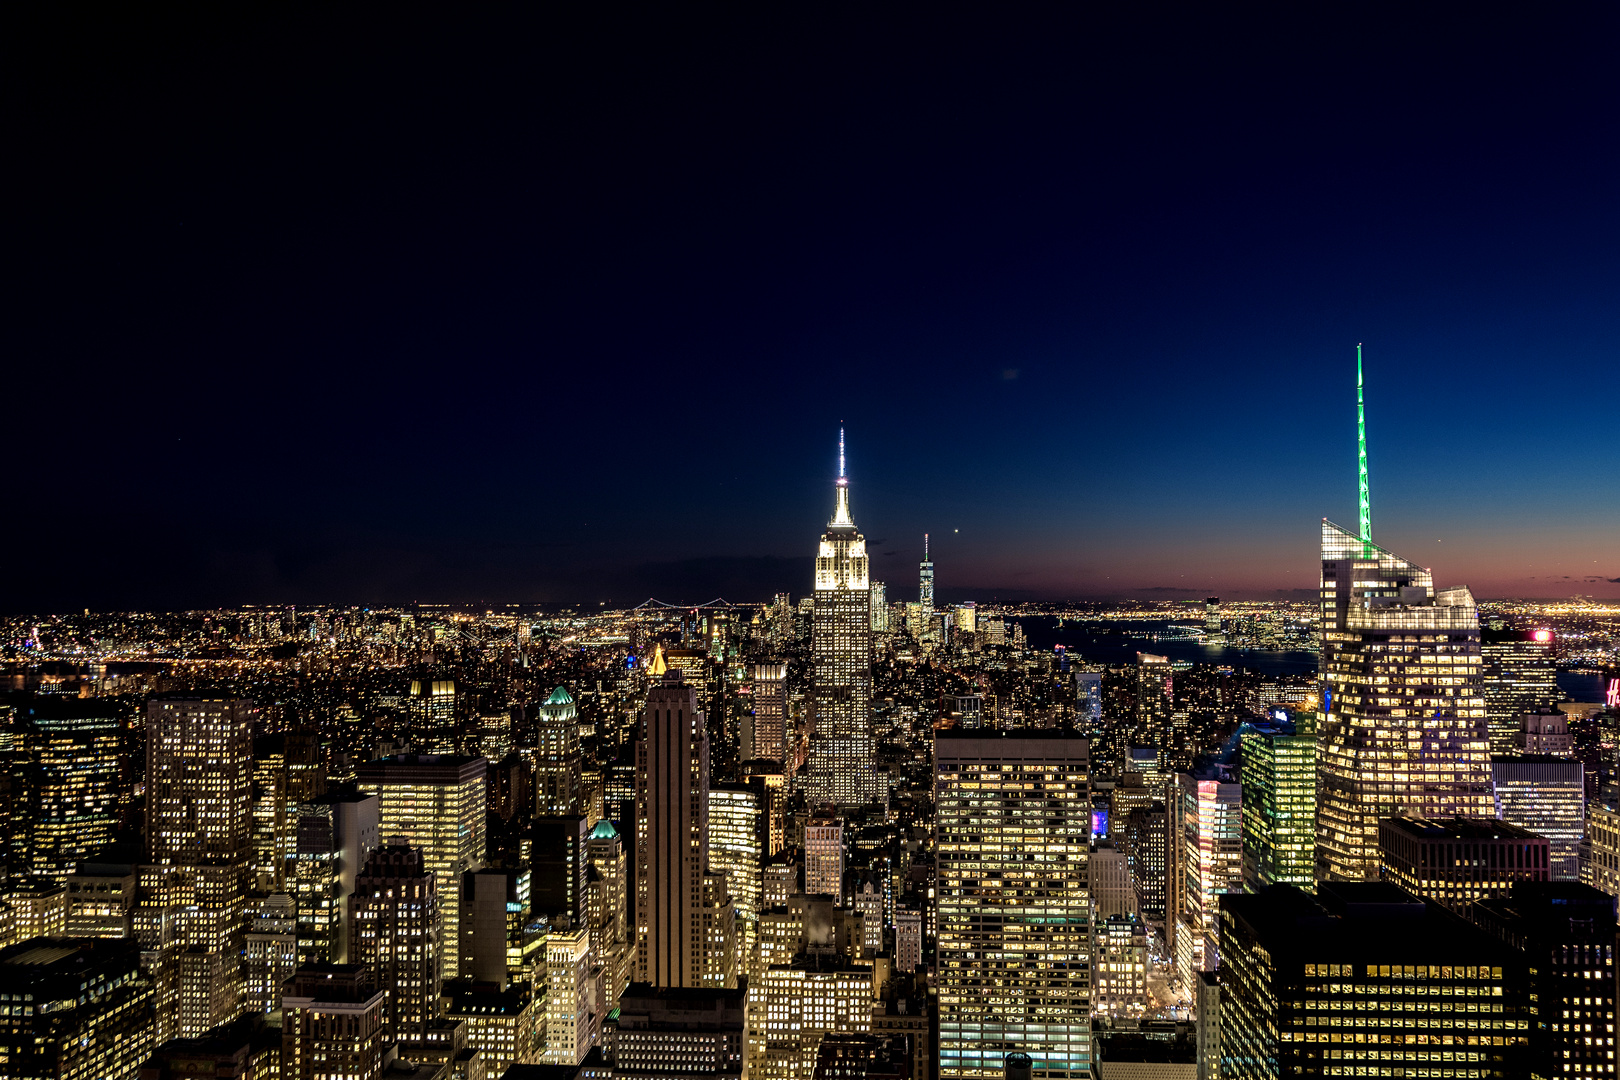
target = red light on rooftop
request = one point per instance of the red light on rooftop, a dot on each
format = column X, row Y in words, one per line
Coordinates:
column 1542, row 635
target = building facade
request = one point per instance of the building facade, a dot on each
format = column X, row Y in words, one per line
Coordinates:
column 1364, row 976
column 1014, row 938
column 1460, row 861
column 1279, row 803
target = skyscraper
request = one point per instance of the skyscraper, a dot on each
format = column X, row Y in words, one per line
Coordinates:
column 1209, row 865
column 436, row 802
column 824, row 857
column 199, row 778
column 397, row 929
column 880, row 606
column 432, row 704
column 1279, row 802
column 606, row 903
column 1014, row 952
column 1546, row 795
column 770, row 712
column 736, row 851
column 925, row 583
column 66, row 778
column 842, row 758
column 672, row 835
column 1518, row 677
column 1403, row 726
column 557, row 759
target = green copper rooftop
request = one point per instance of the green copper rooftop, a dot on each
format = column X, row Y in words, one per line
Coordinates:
column 604, row 830
column 560, row 696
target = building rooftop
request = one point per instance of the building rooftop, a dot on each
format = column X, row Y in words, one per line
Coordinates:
column 1460, row 828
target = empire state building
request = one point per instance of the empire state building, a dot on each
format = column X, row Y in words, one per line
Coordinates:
column 841, row 761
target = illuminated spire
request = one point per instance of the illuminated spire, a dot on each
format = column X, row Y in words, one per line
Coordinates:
column 1361, row 437
column 841, row 507
column 925, row 547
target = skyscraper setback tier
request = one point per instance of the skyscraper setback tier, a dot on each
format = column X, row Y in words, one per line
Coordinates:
column 842, row 759
column 1403, row 728
column 1014, row 944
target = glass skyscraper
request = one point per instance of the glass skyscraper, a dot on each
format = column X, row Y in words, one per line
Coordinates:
column 842, row 758
column 1403, row 716
column 1279, row 802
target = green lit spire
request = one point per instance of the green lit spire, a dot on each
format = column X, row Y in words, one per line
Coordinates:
column 1361, row 438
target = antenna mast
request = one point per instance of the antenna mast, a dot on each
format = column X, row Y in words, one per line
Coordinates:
column 1361, row 438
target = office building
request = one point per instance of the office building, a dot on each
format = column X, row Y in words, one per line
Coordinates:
column 1209, row 865
column 199, row 780
column 1564, row 933
column 1364, row 976
column 769, row 687
column 431, row 704
column 436, row 803
column 572, row 1023
column 736, row 853
column 607, row 900
column 1601, row 867
column 335, row 834
column 74, row 1009
column 67, row 772
column 842, row 757
column 824, row 857
column 1547, row 796
column 494, row 909
column 332, row 1024
column 672, row 835
column 1459, row 861
column 397, row 936
column 793, row 1006
column 269, row 953
column 1403, row 724
column 1120, row 982
column 561, row 867
column 1517, row 676
column 1154, row 696
column 557, row 762
column 270, row 831
column 967, row 617
column 1110, row 881
column 907, row 939
column 677, row 1031
column 1145, row 842
column 100, row 900
column 1014, row 938
column 1212, row 616
column 879, row 594
column 1278, row 776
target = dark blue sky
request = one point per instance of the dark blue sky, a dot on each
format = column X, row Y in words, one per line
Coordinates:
column 390, row 310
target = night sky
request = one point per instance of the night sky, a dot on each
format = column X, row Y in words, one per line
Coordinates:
column 375, row 308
